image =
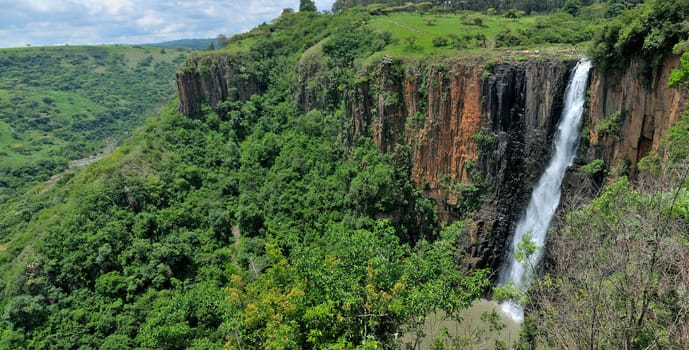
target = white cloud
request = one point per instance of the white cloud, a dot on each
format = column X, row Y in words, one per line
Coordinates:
column 150, row 19
column 45, row 5
column 55, row 22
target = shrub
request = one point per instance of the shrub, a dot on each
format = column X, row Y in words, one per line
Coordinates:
column 410, row 41
column 572, row 7
column 440, row 41
column 484, row 141
column 594, row 169
column 511, row 13
column 611, row 125
column 508, row 38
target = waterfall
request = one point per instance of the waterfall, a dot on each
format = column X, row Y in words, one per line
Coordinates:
column 546, row 195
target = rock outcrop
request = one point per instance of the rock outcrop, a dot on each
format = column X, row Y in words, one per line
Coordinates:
column 215, row 78
column 646, row 106
column 479, row 134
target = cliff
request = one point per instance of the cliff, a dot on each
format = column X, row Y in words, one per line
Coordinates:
column 479, row 132
column 215, row 78
column 630, row 113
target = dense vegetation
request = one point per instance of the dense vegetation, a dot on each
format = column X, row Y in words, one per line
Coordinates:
column 617, row 277
column 648, row 30
column 254, row 227
column 63, row 103
column 259, row 225
column 140, row 247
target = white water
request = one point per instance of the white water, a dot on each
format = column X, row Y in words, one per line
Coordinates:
column 546, row 195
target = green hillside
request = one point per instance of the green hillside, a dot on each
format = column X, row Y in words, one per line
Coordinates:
column 194, row 44
column 418, row 32
column 63, row 103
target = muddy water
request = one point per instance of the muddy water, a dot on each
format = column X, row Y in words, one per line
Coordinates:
column 472, row 332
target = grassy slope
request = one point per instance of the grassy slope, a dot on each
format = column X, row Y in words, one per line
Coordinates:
column 405, row 25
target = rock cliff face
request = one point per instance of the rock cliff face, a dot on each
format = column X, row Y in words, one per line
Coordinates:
column 216, row 78
column 479, row 132
column 646, row 106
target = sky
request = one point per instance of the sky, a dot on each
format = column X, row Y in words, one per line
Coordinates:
column 96, row 22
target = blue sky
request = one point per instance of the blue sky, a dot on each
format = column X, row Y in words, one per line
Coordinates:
column 75, row 22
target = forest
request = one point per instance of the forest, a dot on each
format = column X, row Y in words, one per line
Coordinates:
column 257, row 223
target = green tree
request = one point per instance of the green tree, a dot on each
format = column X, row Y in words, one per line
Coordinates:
column 572, row 7
column 307, row 6
column 25, row 311
column 679, row 78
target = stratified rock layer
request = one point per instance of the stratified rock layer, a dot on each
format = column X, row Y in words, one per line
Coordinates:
column 647, row 105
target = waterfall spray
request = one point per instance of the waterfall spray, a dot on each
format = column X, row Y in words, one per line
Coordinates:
column 533, row 226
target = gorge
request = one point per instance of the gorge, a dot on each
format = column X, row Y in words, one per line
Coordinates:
column 356, row 179
column 478, row 130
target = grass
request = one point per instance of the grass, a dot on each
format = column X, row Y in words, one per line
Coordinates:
column 413, row 34
column 243, row 45
column 136, row 54
column 406, row 25
column 5, row 135
column 69, row 103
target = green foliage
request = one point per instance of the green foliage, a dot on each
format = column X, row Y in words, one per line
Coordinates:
column 506, row 292
column 254, row 225
column 485, row 142
column 365, row 278
column 595, row 169
column 478, row 20
column 477, row 32
column 352, row 41
column 410, row 42
column 649, row 29
column 511, row 13
column 446, row 7
column 440, row 41
column 611, row 125
column 508, row 38
column 572, row 7
column 679, row 78
column 526, row 248
column 307, row 6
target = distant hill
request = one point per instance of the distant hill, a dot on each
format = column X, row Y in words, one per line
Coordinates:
column 194, row 44
column 63, row 103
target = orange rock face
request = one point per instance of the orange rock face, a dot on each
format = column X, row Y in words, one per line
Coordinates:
column 438, row 109
column 647, row 105
column 444, row 143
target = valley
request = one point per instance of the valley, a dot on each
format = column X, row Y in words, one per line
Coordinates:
column 59, row 104
column 355, row 180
